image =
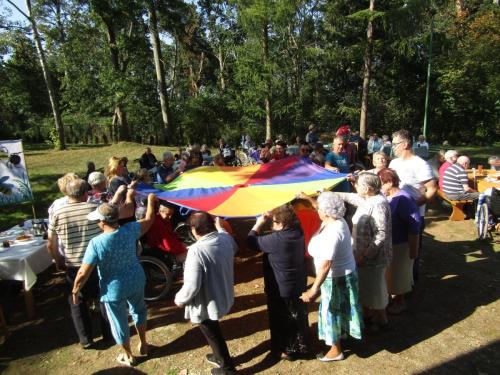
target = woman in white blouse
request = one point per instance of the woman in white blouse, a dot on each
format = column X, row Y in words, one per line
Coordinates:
column 336, row 277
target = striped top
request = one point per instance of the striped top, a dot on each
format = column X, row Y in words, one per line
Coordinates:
column 70, row 224
column 453, row 180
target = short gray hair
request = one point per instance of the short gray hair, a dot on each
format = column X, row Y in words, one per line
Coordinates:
column 369, row 182
column 450, row 154
column 463, row 160
column 168, row 155
column 379, row 153
column 331, row 205
column 403, row 135
column 76, row 188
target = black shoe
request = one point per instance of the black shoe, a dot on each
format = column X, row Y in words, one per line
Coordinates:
column 87, row 344
column 210, row 358
column 221, row 371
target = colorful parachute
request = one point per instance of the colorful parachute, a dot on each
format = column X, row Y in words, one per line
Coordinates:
column 245, row 191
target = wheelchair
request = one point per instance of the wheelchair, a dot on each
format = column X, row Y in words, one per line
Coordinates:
column 487, row 214
column 161, row 268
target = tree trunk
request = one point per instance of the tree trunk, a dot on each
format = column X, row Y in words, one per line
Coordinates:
column 173, row 79
column 222, row 64
column 267, row 98
column 363, row 120
column 119, row 118
column 168, row 134
column 460, row 8
column 46, row 75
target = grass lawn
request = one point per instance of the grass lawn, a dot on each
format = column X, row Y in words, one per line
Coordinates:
column 45, row 166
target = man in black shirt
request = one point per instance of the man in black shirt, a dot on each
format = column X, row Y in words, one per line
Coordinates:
column 148, row 159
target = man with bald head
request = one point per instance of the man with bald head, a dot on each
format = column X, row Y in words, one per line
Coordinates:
column 455, row 181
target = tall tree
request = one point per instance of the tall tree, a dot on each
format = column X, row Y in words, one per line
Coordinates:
column 367, row 73
column 168, row 133
column 120, row 21
column 46, row 73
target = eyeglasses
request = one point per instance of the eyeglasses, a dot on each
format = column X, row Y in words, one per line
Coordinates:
column 394, row 144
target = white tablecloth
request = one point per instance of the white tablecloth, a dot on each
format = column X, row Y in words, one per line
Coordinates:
column 23, row 260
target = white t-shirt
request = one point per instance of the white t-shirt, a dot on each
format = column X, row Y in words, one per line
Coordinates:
column 413, row 172
column 333, row 242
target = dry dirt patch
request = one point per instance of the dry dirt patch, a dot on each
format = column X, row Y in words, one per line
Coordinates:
column 451, row 326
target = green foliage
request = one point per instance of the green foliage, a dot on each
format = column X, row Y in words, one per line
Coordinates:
column 219, row 70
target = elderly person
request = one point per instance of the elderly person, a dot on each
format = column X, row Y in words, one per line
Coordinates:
column 336, row 277
column 99, row 192
column 455, row 181
column 379, row 161
column 284, row 280
column 62, row 182
column 70, row 226
column 166, row 172
column 421, row 142
column 121, row 277
column 494, row 162
column 406, row 222
column 450, row 158
column 162, row 235
column 208, row 290
column 372, row 245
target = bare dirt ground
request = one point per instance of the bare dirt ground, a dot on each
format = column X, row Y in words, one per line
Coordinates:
column 451, row 327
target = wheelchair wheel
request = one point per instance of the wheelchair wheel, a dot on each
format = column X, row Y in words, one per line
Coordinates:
column 184, row 232
column 158, row 278
column 482, row 221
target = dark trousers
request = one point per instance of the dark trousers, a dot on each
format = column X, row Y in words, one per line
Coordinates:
column 288, row 324
column 213, row 334
column 80, row 313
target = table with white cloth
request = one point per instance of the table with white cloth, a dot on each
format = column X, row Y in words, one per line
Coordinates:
column 23, row 261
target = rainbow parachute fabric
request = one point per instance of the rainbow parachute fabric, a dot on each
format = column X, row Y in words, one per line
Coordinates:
column 245, row 191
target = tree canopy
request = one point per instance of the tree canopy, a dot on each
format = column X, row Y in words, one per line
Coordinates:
column 224, row 68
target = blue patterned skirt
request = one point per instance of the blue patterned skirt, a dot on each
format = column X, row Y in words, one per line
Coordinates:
column 339, row 309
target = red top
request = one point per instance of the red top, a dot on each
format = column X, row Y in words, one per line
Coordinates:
column 161, row 236
column 309, row 222
column 443, row 169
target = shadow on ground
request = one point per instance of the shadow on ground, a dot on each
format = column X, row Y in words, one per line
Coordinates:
column 457, row 278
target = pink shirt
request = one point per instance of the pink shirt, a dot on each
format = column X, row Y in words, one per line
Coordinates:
column 443, row 169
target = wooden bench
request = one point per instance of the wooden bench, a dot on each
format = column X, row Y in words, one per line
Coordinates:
column 458, row 207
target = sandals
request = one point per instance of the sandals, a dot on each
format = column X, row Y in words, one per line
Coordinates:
column 323, row 358
column 124, row 360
